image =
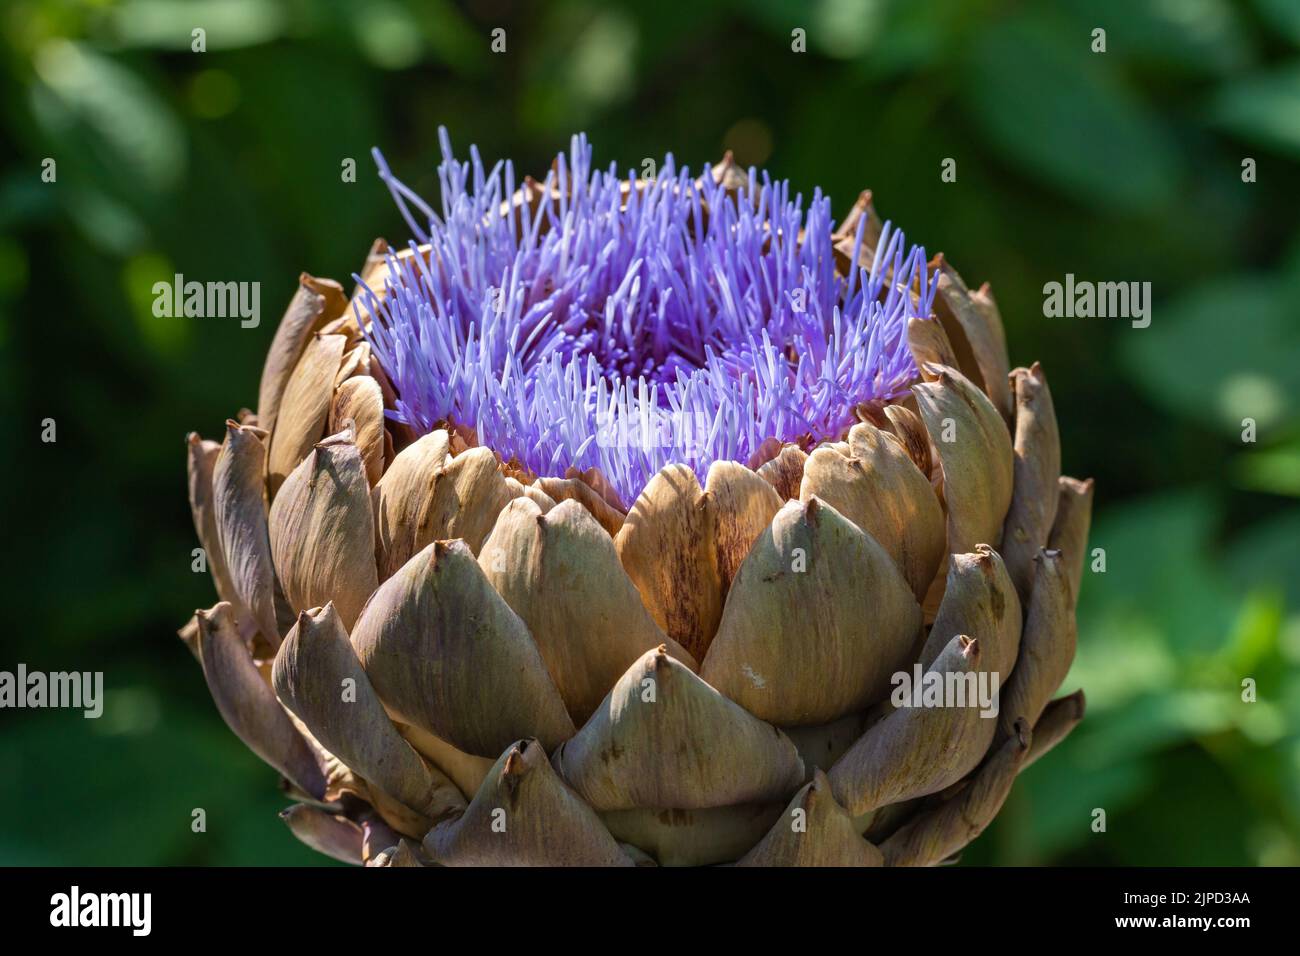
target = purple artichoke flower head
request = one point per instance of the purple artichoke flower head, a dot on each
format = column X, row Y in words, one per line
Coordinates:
column 628, row 324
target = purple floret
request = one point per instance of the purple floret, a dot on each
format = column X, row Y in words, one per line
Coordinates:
column 629, row 328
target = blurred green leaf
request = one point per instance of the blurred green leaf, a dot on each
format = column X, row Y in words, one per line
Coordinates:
column 1263, row 107
column 1267, row 556
column 450, row 34
column 1062, row 114
column 1181, row 824
column 122, row 795
column 101, row 114
column 169, row 24
column 1221, row 352
column 388, row 34
column 1284, row 15
column 847, row 28
column 1274, row 470
column 1050, row 809
column 1160, row 585
column 1200, row 36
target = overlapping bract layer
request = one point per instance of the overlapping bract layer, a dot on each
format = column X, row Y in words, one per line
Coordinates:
column 451, row 660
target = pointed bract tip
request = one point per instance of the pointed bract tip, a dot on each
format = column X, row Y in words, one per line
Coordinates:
column 514, row 765
column 346, row 435
column 1023, row 735
column 1080, row 703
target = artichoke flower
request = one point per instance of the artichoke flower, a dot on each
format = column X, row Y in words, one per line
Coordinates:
column 602, row 524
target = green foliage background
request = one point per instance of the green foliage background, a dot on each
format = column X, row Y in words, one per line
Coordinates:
column 226, row 164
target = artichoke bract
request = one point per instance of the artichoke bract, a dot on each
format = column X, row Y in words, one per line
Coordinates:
column 622, row 521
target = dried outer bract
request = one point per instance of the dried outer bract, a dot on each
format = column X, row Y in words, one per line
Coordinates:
column 373, row 270
column 595, row 479
column 317, row 676
column 397, row 815
column 405, row 854
column 815, row 589
column 917, row 751
column 820, row 745
column 1070, row 531
column 744, row 505
column 1059, row 718
column 664, row 738
column 359, row 400
column 879, row 488
column 428, row 495
column 239, row 497
column 728, row 174
column 189, row 635
column 466, row 771
column 703, row 837
column 520, row 490
column 979, row 600
column 316, row 302
column 975, row 454
column 322, row 530
column 376, row 837
column 356, row 359
column 1037, row 450
column 559, row 572
column 356, row 350
column 447, row 655
column 200, row 459
column 668, row 547
column 468, row 495
column 982, row 327
column 403, row 500
column 341, row 783
column 305, row 406
column 1047, row 646
column 929, row 346
column 904, row 426
column 991, row 319
column 845, row 236
column 565, row 489
column 335, row 836
column 813, row 831
column 248, row 705
column 785, row 471
column 524, row 815
column 938, row 832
